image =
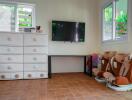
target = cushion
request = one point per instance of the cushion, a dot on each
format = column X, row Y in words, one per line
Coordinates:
column 121, row 80
column 100, row 74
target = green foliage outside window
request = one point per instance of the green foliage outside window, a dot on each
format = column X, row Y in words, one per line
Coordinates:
column 121, row 23
column 25, row 18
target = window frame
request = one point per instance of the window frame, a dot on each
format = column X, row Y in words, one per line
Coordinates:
column 16, row 14
column 113, row 2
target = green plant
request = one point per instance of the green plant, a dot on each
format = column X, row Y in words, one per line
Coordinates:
column 121, row 23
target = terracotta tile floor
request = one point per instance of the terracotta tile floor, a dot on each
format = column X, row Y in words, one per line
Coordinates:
column 75, row 86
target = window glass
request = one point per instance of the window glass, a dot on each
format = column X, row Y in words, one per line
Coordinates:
column 25, row 16
column 7, row 17
column 107, row 22
column 121, row 19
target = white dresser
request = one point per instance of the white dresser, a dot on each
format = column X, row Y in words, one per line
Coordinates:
column 23, row 56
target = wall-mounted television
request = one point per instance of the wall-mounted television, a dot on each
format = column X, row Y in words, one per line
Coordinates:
column 68, row 31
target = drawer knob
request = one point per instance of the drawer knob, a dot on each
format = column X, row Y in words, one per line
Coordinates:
column 34, row 39
column 29, row 75
column 9, row 39
column 9, row 67
column 8, row 50
column 16, row 76
column 34, row 50
column 34, row 58
column 41, row 75
column 3, row 76
column 9, row 59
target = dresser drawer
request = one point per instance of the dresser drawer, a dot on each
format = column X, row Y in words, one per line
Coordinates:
column 17, row 75
column 11, row 50
column 34, row 39
column 11, row 67
column 35, row 67
column 35, row 58
column 34, row 50
column 35, row 75
column 5, row 76
column 11, row 58
column 11, row 39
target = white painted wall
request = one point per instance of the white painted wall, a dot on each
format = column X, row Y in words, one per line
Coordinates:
column 68, row 10
column 67, row 64
column 121, row 46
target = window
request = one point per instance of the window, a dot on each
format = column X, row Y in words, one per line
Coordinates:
column 108, row 22
column 15, row 16
column 115, row 18
column 7, row 18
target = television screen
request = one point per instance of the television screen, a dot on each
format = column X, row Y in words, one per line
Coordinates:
column 68, row 31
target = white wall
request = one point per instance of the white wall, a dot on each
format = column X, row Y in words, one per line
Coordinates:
column 67, row 64
column 121, row 46
column 69, row 10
